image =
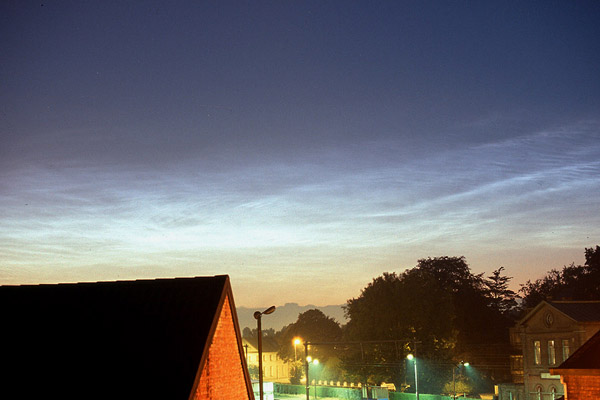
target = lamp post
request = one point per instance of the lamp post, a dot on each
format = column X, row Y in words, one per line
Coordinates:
column 296, row 343
column 258, row 315
column 307, row 359
column 454, row 367
column 315, row 363
column 412, row 358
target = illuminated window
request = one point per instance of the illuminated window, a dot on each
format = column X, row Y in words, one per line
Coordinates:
column 537, row 352
column 551, row 353
column 538, row 392
column 553, row 393
column 565, row 349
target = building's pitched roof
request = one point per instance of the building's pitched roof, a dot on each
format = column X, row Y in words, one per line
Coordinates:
column 587, row 357
column 578, row 311
column 137, row 339
column 581, row 311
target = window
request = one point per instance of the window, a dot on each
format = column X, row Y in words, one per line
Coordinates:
column 551, row 353
column 537, row 352
column 553, row 392
column 565, row 349
column 538, row 392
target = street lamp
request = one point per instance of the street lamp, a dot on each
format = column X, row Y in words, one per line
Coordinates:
column 454, row 367
column 307, row 360
column 315, row 363
column 258, row 315
column 412, row 358
column 296, row 343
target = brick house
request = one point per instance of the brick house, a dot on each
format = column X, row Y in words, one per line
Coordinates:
column 164, row 338
column 546, row 336
column 580, row 373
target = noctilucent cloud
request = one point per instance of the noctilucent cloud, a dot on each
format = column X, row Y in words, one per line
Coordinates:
column 303, row 148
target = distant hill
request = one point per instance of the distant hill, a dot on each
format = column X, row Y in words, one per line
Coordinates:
column 285, row 315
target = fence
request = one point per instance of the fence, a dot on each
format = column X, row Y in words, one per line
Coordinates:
column 412, row 396
column 352, row 393
column 322, row 391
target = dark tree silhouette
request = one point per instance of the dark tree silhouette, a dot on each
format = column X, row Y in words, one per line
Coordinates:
column 573, row 282
column 311, row 326
column 442, row 305
column 502, row 298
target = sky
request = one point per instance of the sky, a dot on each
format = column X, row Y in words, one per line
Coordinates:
column 301, row 147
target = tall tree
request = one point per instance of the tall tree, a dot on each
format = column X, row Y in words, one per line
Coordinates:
column 408, row 308
column 441, row 304
column 473, row 320
column 592, row 266
column 311, row 326
column 451, row 272
column 573, row 282
column 249, row 333
column 502, row 298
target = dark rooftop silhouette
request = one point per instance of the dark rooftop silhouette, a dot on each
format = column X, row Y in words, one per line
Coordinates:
column 136, row 339
column 587, row 357
column 581, row 311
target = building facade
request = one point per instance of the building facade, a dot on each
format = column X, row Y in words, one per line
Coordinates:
column 274, row 368
column 547, row 336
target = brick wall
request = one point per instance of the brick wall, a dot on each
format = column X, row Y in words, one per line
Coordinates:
column 582, row 387
column 223, row 374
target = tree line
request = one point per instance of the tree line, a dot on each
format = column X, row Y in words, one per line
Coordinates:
column 439, row 310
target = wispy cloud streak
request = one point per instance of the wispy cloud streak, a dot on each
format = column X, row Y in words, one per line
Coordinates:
column 521, row 190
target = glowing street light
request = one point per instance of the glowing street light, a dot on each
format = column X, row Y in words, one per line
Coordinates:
column 412, row 358
column 315, row 362
column 297, row 341
column 306, row 364
column 258, row 316
column 307, row 361
column 454, row 367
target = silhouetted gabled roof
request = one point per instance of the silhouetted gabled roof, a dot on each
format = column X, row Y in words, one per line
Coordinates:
column 581, row 311
column 127, row 339
column 586, row 357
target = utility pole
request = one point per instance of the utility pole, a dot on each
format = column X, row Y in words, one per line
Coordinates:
column 416, row 378
column 306, row 370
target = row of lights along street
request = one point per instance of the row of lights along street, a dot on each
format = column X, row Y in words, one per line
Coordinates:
column 309, row 360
